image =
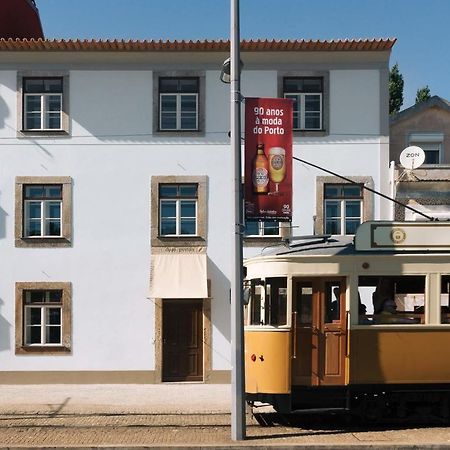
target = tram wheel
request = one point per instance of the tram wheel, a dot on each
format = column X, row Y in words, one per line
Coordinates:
column 372, row 410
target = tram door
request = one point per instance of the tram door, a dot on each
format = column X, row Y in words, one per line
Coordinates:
column 319, row 332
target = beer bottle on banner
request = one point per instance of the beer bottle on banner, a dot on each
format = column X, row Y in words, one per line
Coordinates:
column 260, row 172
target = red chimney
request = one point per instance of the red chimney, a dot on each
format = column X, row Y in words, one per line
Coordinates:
column 20, row 19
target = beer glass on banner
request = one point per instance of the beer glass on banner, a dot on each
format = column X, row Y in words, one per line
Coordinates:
column 277, row 166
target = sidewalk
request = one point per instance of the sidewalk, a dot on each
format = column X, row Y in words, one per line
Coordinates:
column 184, row 398
column 175, row 416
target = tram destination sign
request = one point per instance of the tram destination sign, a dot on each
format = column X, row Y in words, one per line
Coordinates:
column 403, row 236
column 268, row 158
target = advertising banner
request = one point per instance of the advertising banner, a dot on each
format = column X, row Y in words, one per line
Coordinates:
column 268, row 158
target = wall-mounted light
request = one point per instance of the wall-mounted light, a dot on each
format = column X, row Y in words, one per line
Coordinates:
column 225, row 74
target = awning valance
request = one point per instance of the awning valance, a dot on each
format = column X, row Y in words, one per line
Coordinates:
column 178, row 275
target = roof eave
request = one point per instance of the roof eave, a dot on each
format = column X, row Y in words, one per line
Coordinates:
column 199, row 45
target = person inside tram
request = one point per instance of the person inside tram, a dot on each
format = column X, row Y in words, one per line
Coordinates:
column 384, row 305
column 362, row 311
column 383, row 297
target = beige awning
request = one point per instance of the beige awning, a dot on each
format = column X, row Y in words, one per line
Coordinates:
column 178, row 275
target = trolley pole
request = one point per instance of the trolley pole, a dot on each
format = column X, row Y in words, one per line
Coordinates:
column 238, row 425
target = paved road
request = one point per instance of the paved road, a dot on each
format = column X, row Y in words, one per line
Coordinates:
column 199, row 430
column 188, row 416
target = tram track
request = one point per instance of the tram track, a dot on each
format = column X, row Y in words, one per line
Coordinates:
column 319, row 422
column 80, row 420
column 122, row 428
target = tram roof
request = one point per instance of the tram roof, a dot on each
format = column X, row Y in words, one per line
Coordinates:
column 333, row 246
column 314, row 245
column 376, row 237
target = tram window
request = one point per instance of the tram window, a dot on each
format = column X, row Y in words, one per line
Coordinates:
column 332, row 302
column 275, row 304
column 282, row 306
column 445, row 299
column 303, row 305
column 391, row 299
column 268, row 302
column 255, row 302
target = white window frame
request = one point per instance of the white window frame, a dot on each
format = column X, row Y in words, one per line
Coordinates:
column 178, row 217
column 43, row 307
column 44, row 112
column 44, row 219
column 261, row 229
column 179, row 111
column 431, row 147
column 342, row 218
column 424, row 140
column 301, row 101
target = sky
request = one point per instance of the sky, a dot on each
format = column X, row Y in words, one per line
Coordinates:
column 421, row 27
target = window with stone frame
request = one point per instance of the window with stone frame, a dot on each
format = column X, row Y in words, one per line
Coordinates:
column 334, row 214
column 43, row 211
column 43, row 103
column 343, row 206
column 43, row 317
column 42, row 206
column 178, row 104
column 178, row 211
column 307, row 96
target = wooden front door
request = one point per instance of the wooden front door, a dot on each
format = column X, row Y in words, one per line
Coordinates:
column 182, row 340
column 320, row 332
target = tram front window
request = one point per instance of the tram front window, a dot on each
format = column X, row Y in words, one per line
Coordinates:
column 255, row 302
column 391, row 299
column 268, row 303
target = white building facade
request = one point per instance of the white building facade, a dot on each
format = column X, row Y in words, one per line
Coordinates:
column 116, row 194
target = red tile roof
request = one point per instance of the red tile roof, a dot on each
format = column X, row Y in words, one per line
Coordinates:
column 189, row 46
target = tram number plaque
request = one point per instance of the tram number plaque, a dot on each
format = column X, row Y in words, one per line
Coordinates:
column 398, row 235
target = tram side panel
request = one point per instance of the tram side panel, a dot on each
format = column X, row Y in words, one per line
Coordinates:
column 268, row 362
column 383, row 356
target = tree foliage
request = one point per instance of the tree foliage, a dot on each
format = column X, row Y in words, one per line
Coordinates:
column 396, row 84
column 423, row 94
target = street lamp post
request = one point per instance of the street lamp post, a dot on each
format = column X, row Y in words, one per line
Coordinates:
column 238, row 424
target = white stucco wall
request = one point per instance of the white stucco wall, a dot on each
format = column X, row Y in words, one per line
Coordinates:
column 8, row 103
column 354, row 103
column 111, row 157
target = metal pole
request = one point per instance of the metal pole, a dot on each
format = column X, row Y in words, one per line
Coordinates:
column 392, row 190
column 237, row 324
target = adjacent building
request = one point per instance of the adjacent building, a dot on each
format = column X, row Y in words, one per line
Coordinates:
column 116, row 192
column 427, row 189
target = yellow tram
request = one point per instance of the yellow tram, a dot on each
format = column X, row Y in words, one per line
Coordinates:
column 360, row 325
